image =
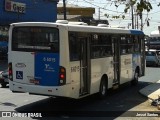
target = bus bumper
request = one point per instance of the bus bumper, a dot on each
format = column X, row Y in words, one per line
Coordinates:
column 69, row 90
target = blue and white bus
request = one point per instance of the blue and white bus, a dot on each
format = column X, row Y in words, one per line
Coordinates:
column 64, row 59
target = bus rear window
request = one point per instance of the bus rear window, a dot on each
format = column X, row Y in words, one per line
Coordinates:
column 35, row 39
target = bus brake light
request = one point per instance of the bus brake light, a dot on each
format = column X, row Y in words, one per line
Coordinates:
column 10, row 71
column 62, row 76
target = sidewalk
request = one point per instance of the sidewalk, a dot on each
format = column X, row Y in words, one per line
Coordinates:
column 151, row 91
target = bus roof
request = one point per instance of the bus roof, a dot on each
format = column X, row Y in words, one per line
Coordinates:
column 81, row 27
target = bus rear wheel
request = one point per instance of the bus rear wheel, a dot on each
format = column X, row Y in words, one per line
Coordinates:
column 103, row 88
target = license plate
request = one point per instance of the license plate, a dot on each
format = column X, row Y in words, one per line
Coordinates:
column 34, row 81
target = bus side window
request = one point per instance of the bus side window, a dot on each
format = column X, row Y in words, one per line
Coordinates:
column 74, row 47
column 101, row 45
column 123, row 47
column 136, row 44
column 126, row 44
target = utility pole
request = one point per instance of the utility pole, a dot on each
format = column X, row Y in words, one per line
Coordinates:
column 132, row 16
column 135, row 25
column 141, row 17
column 99, row 14
column 64, row 9
column 141, row 21
column 137, row 22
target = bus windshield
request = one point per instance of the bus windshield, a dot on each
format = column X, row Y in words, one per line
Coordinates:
column 35, row 39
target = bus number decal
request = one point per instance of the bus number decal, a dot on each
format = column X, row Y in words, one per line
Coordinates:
column 75, row 69
column 48, row 59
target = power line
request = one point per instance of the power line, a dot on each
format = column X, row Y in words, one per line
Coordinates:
column 101, row 7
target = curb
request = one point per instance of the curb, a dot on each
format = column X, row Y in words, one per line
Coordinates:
column 151, row 91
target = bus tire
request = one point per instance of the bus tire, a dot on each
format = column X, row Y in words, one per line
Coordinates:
column 134, row 82
column 103, row 88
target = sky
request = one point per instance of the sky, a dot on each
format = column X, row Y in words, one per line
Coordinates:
column 109, row 7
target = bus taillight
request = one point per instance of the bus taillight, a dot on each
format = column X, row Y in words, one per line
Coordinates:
column 62, row 76
column 10, row 71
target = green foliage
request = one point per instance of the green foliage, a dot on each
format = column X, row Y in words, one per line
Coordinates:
column 141, row 5
column 128, row 5
column 123, row 16
column 114, row 16
column 106, row 15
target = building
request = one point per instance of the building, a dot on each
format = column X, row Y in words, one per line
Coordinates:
column 27, row 10
column 75, row 13
column 24, row 11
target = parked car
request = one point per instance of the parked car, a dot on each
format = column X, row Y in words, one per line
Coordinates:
column 4, row 78
column 152, row 59
column 158, row 54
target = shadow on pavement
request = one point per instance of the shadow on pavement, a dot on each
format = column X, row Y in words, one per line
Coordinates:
column 114, row 105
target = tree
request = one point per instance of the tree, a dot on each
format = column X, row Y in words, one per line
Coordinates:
column 141, row 5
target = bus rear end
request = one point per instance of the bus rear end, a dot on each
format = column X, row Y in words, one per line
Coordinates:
column 34, row 59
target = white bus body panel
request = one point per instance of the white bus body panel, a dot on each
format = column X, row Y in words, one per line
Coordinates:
column 69, row 90
column 126, row 68
column 23, row 70
column 100, row 67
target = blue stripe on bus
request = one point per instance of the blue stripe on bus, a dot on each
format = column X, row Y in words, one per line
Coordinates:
column 136, row 32
column 47, row 69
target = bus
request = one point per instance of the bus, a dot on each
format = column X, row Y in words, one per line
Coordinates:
column 64, row 59
column 153, row 42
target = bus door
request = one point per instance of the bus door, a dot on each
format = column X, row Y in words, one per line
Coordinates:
column 84, row 66
column 116, row 61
